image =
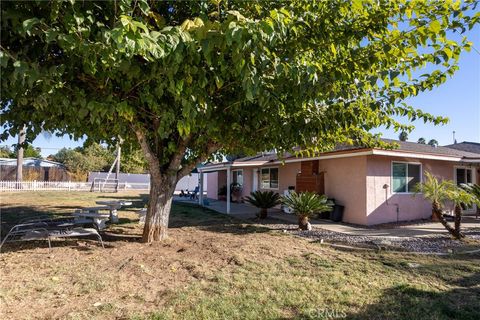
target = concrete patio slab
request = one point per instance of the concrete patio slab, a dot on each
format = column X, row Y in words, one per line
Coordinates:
column 245, row 211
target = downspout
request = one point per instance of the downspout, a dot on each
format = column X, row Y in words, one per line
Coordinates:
column 397, row 208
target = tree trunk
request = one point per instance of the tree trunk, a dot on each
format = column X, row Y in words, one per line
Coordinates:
column 19, row 171
column 263, row 213
column 159, row 205
column 439, row 214
column 457, row 222
column 303, row 222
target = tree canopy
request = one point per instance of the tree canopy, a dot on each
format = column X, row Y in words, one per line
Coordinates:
column 187, row 79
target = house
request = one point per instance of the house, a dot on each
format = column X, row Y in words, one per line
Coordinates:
column 473, row 147
column 33, row 169
column 374, row 185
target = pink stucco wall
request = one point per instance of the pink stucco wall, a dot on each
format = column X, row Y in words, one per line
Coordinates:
column 345, row 181
column 409, row 207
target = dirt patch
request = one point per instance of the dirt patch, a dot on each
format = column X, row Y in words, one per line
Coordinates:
column 79, row 279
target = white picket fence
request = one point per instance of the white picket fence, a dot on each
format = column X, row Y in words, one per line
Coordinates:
column 63, row 186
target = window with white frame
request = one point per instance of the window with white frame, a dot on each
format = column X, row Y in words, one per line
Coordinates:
column 238, row 177
column 463, row 175
column 405, row 176
column 269, row 178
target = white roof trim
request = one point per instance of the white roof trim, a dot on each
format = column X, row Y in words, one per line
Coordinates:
column 347, row 154
column 406, row 154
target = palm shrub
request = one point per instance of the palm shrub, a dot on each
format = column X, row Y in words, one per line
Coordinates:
column 474, row 189
column 306, row 205
column 440, row 192
column 263, row 200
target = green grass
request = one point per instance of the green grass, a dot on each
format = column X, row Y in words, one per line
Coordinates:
column 352, row 286
column 270, row 275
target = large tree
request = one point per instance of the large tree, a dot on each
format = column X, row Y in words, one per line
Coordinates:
column 185, row 80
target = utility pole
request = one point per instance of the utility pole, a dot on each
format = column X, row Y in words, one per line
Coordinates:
column 19, row 173
column 454, row 140
column 117, row 169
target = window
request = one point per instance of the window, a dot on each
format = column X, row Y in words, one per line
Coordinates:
column 463, row 175
column 269, row 178
column 238, row 177
column 405, row 176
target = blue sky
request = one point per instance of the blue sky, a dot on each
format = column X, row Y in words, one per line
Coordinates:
column 458, row 99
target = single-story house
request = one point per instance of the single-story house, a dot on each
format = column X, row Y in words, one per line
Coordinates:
column 374, row 185
column 33, row 169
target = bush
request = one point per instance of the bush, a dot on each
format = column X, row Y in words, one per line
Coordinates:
column 305, row 205
column 263, row 200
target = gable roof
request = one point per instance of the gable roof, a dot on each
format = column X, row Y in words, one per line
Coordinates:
column 31, row 162
column 472, row 147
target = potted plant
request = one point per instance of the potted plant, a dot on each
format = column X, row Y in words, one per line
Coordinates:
column 236, row 191
column 263, row 200
column 306, row 205
column 222, row 193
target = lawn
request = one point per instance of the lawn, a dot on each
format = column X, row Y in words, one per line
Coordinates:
column 216, row 267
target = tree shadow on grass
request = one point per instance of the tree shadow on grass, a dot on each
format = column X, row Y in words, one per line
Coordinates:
column 190, row 215
column 407, row 302
column 459, row 300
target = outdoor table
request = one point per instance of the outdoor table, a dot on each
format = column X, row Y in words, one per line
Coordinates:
column 114, row 205
column 98, row 219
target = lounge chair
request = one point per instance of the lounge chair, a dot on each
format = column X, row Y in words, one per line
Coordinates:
column 47, row 230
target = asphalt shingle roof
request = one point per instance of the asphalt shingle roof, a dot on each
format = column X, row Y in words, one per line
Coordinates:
column 472, row 147
column 425, row 148
column 405, row 146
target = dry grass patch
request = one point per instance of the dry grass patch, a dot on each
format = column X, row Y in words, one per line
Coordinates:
column 215, row 267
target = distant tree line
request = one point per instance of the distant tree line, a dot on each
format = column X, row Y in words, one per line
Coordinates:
column 95, row 157
column 29, row 152
column 403, row 136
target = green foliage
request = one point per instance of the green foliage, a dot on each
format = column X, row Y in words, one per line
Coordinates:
column 435, row 190
column 421, row 141
column 474, row 191
column 30, row 152
column 442, row 191
column 263, row 199
column 93, row 157
column 403, row 136
column 133, row 161
column 433, row 143
column 307, row 204
column 191, row 78
column 6, row 152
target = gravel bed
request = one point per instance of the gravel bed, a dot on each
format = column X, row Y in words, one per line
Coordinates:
column 430, row 244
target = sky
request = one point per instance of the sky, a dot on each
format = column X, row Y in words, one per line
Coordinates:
column 458, row 99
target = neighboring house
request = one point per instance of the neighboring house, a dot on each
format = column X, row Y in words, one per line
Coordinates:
column 361, row 179
column 473, row 147
column 33, row 169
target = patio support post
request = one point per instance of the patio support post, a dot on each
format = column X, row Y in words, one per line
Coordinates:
column 229, row 177
column 200, row 185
